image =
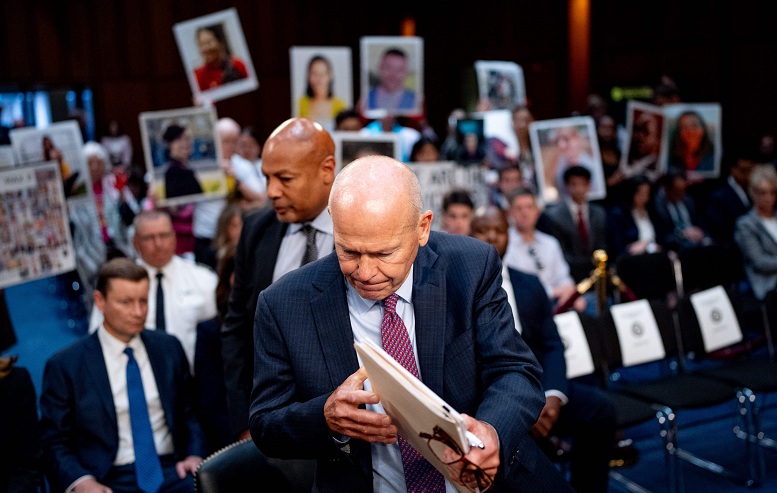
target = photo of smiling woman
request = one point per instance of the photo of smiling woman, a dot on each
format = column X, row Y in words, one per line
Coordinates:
column 319, row 101
column 218, row 65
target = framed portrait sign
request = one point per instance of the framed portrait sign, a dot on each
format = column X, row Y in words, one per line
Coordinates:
column 182, row 152
column 644, row 134
column 60, row 142
column 215, row 56
column 560, row 143
column 321, row 82
column 350, row 146
column 692, row 139
column 392, row 80
column 35, row 239
column 500, row 84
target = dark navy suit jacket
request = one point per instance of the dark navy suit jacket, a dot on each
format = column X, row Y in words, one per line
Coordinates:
column 255, row 258
column 468, row 349
column 538, row 329
column 78, row 418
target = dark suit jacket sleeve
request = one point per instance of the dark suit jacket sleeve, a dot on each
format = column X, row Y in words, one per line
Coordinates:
column 539, row 329
column 288, row 427
column 237, row 346
column 59, row 426
column 512, row 395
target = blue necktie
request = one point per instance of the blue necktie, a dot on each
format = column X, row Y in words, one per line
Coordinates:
column 148, row 469
column 160, row 303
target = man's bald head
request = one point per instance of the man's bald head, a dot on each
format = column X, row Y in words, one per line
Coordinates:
column 298, row 160
column 375, row 206
column 228, row 131
column 377, row 184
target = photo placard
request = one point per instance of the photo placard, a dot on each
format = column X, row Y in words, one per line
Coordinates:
column 392, row 76
column 321, row 82
column 182, row 150
column 500, row 84
column 350, row 146
column 215, row 56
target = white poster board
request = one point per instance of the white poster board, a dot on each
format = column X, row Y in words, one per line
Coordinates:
column 577, row 352
column 35, row 237
column 638, row 335
column 7, row 157
column 437, row 178
column 717, row 320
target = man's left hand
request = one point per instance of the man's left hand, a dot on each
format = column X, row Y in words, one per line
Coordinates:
column 548, row 417
column 189, row 464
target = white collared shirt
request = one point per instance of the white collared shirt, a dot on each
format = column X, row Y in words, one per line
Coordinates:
column 116, row 365
column 366, row 319
column 554, row 269
column 294, row 241
column 190, row 298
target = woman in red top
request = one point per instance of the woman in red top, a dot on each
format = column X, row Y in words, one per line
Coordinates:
column 218, row 67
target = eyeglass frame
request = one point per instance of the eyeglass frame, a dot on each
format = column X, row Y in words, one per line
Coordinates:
column 483, row 480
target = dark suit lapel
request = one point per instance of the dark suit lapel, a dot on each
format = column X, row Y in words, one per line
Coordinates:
column 333, row 323
column 158, row 360
column 267, row 252
column 98, row 375
column 429, row 305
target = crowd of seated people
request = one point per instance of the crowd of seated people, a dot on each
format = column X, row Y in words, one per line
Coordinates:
column 271, row 225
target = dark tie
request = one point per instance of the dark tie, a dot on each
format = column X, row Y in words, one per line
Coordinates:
column 148, row 470
column 311, row 250
column 420, row 475
column 582, row 231
column 160, row 303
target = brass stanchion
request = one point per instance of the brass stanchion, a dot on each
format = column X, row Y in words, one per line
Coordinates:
column 599, row 278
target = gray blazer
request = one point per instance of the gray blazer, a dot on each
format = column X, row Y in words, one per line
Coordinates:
column 759, row 253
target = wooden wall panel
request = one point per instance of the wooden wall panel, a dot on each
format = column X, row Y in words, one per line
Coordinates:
column 126, row 52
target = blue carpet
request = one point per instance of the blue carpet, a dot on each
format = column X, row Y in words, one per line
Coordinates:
column 47, row 316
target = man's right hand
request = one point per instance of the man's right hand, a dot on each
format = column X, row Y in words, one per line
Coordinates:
column 344, row 417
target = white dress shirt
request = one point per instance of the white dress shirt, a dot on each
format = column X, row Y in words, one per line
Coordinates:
column 366, row 319
column 547, row 261
column 294, row 242
column 190, row 298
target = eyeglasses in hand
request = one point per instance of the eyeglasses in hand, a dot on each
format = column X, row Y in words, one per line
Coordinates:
column 448, row 452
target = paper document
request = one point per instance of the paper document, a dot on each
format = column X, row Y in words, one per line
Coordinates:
column 413, row 407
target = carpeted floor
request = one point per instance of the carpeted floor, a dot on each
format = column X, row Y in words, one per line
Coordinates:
column 47, row 317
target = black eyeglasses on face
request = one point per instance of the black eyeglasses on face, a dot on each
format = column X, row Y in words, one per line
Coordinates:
column 537, row 262
column 448, row 452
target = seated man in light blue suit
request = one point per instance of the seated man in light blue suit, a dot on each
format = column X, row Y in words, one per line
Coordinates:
column 87, row 428
column 310, row 398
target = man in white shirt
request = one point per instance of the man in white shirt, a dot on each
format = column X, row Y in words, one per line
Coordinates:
column 535, row 252
column 105, row 426
column 187, row 289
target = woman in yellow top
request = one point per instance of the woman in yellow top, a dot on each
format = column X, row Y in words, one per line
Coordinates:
column 319, row 102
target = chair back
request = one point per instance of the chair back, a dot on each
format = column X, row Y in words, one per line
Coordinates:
column 708, row 321
column 240, row 464
column 577, row 350
column 648, row 275
column 639, row 332
column 704, row 267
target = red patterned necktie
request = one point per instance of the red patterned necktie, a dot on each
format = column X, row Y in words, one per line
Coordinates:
column 420, row 475
column 582, row 231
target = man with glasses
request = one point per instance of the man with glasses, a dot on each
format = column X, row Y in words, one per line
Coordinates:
column 434, row 302
column 532, row 251
column 181, row 293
